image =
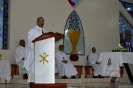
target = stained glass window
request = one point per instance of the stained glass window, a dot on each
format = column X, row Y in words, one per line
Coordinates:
column 126, row 33
column 128, row 6
column 1, row 24
column 74, row 35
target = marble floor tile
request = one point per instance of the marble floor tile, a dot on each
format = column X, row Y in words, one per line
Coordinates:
column 76, row 85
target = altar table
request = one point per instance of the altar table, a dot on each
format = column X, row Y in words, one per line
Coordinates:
column 5, row 71
column 120, row 58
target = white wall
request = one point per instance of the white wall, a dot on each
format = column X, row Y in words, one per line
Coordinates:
column 100, row 20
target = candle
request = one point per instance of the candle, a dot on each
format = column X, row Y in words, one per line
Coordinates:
column 119, row 45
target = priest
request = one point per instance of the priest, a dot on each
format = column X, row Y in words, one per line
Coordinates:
column 19, row 56
column 94, row 62
column 65, row 68
column 32, row 34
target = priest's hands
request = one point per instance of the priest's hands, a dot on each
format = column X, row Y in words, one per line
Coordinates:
column 23, row 58
column 64, row 61
column 97, row 63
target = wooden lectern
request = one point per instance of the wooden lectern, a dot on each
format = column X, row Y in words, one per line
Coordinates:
column 45, row 58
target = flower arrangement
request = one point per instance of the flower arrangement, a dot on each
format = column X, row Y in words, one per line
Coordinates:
column 120, row 49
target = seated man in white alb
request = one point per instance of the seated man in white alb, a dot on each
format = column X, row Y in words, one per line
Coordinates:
column 65, row 68
column 94, row 62
column 19, row 55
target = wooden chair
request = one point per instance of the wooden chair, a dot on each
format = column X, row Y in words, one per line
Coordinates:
column 79, row 69
column 14, row 70
column 88, row 70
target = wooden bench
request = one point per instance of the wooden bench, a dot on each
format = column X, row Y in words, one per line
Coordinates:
column 88, row 70
column 79, row 69
column 14, row 70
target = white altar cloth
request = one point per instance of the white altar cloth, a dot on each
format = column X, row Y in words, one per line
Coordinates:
column 115, row 58
column 127, row 57
column 5, row 70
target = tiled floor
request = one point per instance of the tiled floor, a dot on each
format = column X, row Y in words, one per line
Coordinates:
column 76, row 85
column 100, row 85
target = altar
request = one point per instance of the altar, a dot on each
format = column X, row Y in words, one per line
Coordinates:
column 5, row 71
column 113, row 61
column 125, row 57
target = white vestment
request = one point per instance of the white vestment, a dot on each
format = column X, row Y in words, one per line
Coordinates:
column 93, row 58
column 29, row 62
column 64, row 69
column 19, row 54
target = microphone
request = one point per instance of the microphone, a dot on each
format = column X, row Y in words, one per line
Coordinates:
column 42, row 28
column 42, row 31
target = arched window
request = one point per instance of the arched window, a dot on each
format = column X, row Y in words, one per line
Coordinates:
column 74, row 35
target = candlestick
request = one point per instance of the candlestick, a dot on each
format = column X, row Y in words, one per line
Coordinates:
column 119, row 45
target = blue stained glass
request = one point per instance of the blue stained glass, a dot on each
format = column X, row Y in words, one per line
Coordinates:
column 75, row 1
column 122, row 3
column 129, row 7
column 1, row 24
column 125, row 26
column 131, row 15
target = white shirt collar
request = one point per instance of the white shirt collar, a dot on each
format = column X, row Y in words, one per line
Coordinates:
column 39, row 28
column 92, row 52
column 21, row 46
column 61, row 52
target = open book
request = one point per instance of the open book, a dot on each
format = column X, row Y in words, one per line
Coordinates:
column 57, row 36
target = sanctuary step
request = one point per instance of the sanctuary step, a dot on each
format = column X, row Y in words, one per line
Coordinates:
column 99, row 85
column 74, row 85
column 78, row 80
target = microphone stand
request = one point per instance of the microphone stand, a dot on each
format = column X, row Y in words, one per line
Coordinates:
column 42, row 30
